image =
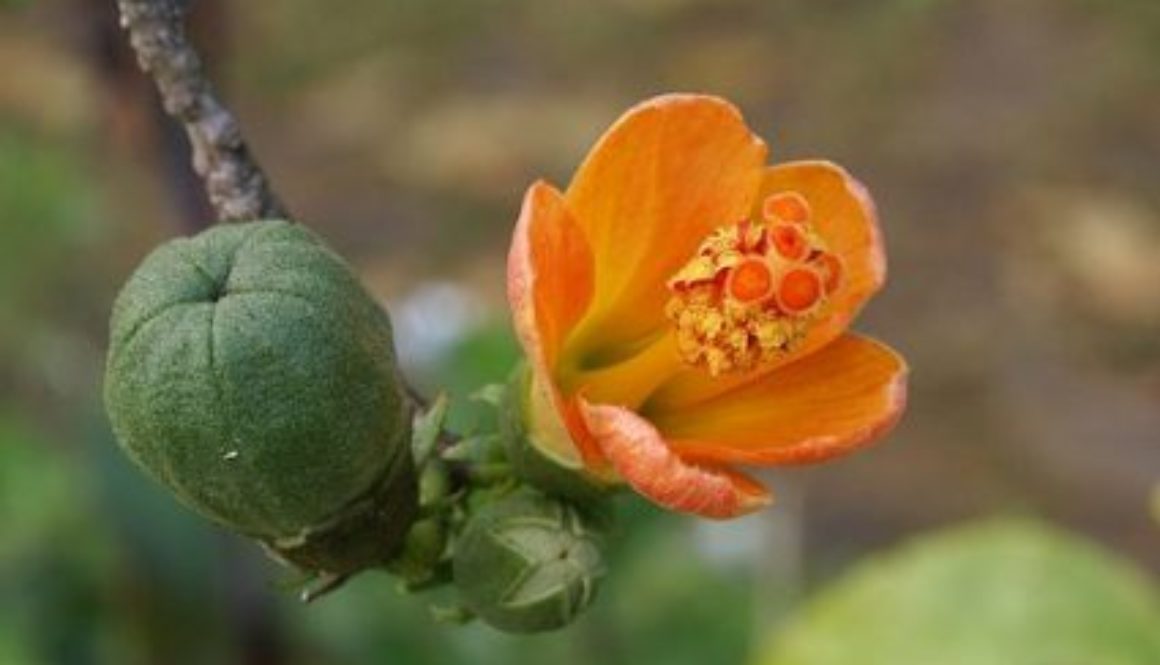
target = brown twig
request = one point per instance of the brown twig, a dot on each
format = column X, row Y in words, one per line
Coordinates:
column 236, row 186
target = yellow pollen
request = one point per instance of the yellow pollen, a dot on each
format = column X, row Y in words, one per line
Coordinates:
column 740, row 301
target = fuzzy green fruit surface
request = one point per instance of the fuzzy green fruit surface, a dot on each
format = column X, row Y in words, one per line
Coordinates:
column 251, row 373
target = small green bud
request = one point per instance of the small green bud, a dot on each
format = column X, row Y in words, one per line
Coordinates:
column 251, row 373
column 529, row 562
column 418, row 559
column 434, row 483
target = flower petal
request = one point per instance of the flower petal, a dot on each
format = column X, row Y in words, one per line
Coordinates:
column 549, row 288
column 843, row 213
column 667, row 172
column 827, row 404
column 639, row 454
column 550, row 278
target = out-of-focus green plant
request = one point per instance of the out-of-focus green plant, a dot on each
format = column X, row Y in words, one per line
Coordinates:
column 49, row 587
column 1010, row 592
column 46, row 206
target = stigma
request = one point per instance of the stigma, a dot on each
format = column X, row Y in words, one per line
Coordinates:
column 752, row 290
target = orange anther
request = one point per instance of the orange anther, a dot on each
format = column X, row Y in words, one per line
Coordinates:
column 787, row 207
column 750, row 281
column 789, row 241
column 831, row 267
column 799, row 290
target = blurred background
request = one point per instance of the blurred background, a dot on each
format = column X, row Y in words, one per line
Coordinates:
column 1013, row 148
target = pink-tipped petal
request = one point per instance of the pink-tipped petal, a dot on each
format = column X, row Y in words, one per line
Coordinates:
column 643, row 459
column 549, row 284
column 831, row 403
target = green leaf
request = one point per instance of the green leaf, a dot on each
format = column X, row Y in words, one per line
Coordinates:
column 1009, row 593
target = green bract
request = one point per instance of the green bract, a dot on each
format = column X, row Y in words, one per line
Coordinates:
column 529, row 562
column 251, row 373
column 529, row 461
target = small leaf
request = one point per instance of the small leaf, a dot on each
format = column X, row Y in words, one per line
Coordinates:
column 427, row 429
column 492, row 394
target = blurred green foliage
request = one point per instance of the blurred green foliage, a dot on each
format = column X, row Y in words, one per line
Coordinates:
column 48, row 208
column 54, row 553
column 1010, row 592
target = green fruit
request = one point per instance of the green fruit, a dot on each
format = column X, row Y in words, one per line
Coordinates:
column 529, row 562
column 251, row 373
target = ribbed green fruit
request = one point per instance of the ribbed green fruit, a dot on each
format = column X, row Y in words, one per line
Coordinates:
column 530, row 562
column 251, row 373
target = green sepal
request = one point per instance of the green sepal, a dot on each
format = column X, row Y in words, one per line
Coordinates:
column 425, row 545
column 421, row 553
column 529, row 562
column 530, row 462
column 428, row 429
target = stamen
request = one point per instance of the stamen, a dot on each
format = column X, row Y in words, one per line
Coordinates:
column 751, row 291
column 831, row 268
column 750, row 280
column 786, row 207
column 800, row 289
column 790, row 242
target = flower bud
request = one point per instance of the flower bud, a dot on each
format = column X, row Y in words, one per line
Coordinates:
column 529, row 562
column 251, row 373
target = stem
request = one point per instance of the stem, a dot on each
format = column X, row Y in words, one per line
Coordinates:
column 236, row 186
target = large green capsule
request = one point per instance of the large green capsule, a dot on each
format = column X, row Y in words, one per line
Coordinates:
column 251, row 373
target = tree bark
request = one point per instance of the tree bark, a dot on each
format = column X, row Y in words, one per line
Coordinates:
column 236, row 186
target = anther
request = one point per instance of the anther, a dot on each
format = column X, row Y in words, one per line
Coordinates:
column 790, row 242
column 752, row 290
column 831, row 268
column 750, row 281
column 800, row 289
column 786, row 207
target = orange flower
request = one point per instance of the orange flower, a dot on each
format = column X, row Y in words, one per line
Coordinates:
column 684, row 309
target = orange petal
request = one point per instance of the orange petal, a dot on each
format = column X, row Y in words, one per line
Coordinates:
column 827, row 404
column 842, row 212
column 663, row 176
column 639, row 454
column 549, row 276
column 629, row 382
column 549, row 288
